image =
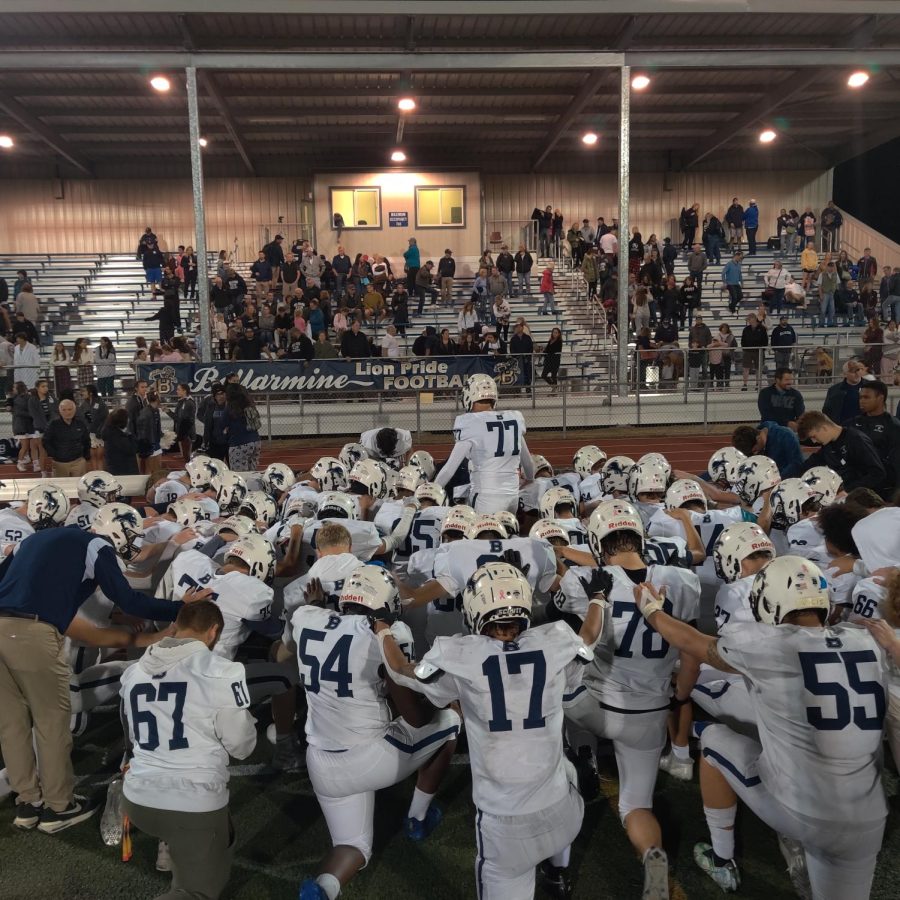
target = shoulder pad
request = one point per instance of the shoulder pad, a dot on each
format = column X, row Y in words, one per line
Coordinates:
column 426, row 671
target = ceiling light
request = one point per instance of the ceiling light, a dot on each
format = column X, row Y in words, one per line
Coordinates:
column 767, row 136
column 406, row 104
column 398, row 156
column 639, row 82
column 202, row 142
column 858, row 79
column 5, row 141
column 160, row 83
column 589, row 138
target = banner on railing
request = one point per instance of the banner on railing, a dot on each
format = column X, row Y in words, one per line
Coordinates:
column 332, row 375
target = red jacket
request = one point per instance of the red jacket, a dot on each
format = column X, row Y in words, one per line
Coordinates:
column 547, row 285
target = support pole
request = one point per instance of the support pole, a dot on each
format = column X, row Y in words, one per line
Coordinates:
column 624, row 200
column 199, row 215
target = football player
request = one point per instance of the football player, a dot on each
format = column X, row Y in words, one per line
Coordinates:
column 390, row 445
column 94, row 490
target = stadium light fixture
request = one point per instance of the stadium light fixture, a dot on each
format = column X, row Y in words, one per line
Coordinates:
column 203, row 142
column 858, row 79
column 406, row 104
column 589, row 138
column 640, row 82
column 160, row 83
column 767, row 136
column 398, row 156
column 6, row 142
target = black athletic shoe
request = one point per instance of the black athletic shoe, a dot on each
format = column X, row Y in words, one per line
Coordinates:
column 554, row 881
column 77, row 811
column 27, row 815
column 586, row 770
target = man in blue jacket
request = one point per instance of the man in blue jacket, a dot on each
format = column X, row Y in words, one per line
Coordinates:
column 732, row 278
column 780, row 444
column 751, row 225
column 781, row 402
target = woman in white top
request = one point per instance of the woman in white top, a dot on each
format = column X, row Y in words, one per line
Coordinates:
column 467, row 318
column 776, row 281
column 106, row 367
column 502, row 311
column 83, row 357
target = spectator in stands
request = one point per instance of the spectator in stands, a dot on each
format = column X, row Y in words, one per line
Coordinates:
column 242, row 424
column 733, row 279
column 141, row 353
column 505, row 265
column 67, row 442
column 689, row 221
column 400, row 308
column 666, row 334
column 688, row 299
column 828, row 284
column 26, row 360
column 668, row 255
column 261, row 271
column 424, row 285
column 355, row 344
column 753, row 338
column 545, row 229
column 635, row 251
column 640, row 312
column 467, row 318
column 486, row 261
column 523, row 265
column 312, row 268
column 697, row 264
column 589, row 271
column 426, row 343
column 27, row 303
column 466, row 345
column 868, row 299
column 300, row 347
column 446, row 346
column 522, row 347
column 147, row 239
column 20, row 282
column 290, row 275
column 734, row 219
column 882, row 429
column 775, row 283
column 412, row 262
column 501, row 312
column 188, row 263
column 847, row 303
column 776, row 441
column 609, row 243
column 340, row 265
column 148, row 434
column 891, row 307
column 7, row 376
column 848, row 451
column 185, row 420
column 169, row 286
column 381, row 272
column 713, row 236
column 236, row 289
column 588, row 235
column 250, row 346
column 557, row 229
column 135, row 403
column 868, row 266
column 783, row 340
column 220, row 298
column 781, row 402
column 552, row 357
column 807, row 228
column 446, row 274
column 548, row 289
column 275, row 258
column 830, row 222
column 221, row 264
column 373, row 305
column 95, row 413
column 751, row 224
column 26, row 326
column 166, row 323
column 491, row 343
column 392, row 348
column 119, row 447
column 842, row 400
column 788, row 223
column 700, row 337
column 83, row 358
column 152, row 260
column 809, row 262
column 62, row 377
column 105, row 362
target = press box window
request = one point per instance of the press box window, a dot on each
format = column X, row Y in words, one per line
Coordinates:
column 358, row 207
column 440, row 207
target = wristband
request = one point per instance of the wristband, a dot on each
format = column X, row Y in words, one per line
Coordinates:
column 675, row 703
column 600, row 601
column 650, row 604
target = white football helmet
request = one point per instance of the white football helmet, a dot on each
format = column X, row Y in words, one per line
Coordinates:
column 371, row 476
column 611, row 516
column 408, row 479
column 788, row 499
column 433, row 492
column 486, row 523
column 646, row 477
column 423, row 460
column 230, row 490
column 47, row 506
column 351, row 454
column 370, row 589
column 479, row 387
column 735, row 544
column 98, row 488
column 202, row 469
column 278, row 477
column 188, row 512
column 239, row 525
column 336, row 505
column 255, row 552
column 302, row 505
column 788, row 584
column 497, row 592
column 541, row 464
column 755, row 475
column 685, row 490
column 330, row 473
column 825, row 482
column 614, row 474
column 550, row 531
column 123, row 526
column 508, row 521
column 261, row 505
column 723, row 465
column 555, row 497
column 660, row 460
column 460, row 519
column 587, row 458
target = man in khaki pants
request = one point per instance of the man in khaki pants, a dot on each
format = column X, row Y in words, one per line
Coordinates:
column 42, row 587
column 67, row 441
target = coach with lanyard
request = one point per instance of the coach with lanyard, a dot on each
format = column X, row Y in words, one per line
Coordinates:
column 42, row 587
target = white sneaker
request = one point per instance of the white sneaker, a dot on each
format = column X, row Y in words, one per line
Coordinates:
column 36, row 466
column 163, row 858
column 682, row 769
column 793, row 854
column 656, row 875
column 22, row 466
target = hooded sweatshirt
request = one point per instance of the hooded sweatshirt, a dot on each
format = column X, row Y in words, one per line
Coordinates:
column 187, row 710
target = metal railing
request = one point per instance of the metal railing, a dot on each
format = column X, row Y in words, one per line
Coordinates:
column 512, row 232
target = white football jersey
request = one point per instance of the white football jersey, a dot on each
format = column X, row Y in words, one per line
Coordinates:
column 455, row 563
column 578, row 536
column 404, row 445
column 819, row 695
column 241, row 598
column 805, row 539
column 342, row 673
column 169, row 491
column 668, row 551
column 733, row 603
column 424, row 533
column 866, row 601
column 82, row 515
column 496, row 446
column 13, row 528
column 590, row 491
column 780, row 541
column 331, row 571
column 633, row 665
column 364, row 539
column 709, row 526
column 182, row 704
column 420, row 567
column 512, row 703
column 530, row 495
column 161, row 531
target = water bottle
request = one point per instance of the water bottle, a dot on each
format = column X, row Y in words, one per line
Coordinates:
column 111, row 821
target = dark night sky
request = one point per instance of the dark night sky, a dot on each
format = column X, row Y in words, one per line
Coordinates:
column 868, row 187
